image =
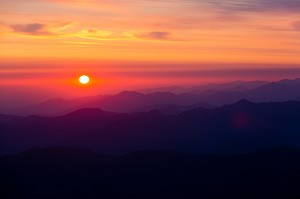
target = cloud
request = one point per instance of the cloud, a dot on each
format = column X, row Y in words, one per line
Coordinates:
column 31, row 29
column 95, row 33
column 230, row 5
column 40, row 29
column 154, row 35
column 62, row 30
column 289, row 5
column 250, row 5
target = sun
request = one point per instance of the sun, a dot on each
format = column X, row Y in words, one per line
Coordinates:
column 84, row 79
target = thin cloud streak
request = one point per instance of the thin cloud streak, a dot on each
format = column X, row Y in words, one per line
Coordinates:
column 31, row 29
column 250, row 5
column 233, row 5
column 155, row 35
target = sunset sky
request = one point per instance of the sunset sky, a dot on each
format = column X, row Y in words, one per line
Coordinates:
column 127, row 44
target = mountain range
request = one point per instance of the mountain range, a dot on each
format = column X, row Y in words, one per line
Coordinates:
column 235, row 140
column 208, row 96
column 240, row 127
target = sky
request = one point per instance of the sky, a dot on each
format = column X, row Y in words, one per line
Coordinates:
column 45, row 45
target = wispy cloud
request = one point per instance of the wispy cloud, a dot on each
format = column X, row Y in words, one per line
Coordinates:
column 61, row 30
column 155, row 35
column 251, row 5
column 94, row 34
column 230, row 5
column 39, row 29
column 31, row 29
column 58, row 30
column 288, row 5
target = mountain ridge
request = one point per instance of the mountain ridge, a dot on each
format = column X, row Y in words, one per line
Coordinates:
column 242, row 126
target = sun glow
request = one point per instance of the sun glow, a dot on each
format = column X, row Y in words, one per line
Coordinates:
column 84, row 79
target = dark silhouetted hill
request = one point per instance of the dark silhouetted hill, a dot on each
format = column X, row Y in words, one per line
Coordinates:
column 60, row 172
column 237, row 128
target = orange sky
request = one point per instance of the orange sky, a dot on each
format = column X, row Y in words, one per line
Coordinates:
column 148, row 30
column 54, row 41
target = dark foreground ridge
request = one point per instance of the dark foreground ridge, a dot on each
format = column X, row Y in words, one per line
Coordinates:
column 59, row 172
column 237, row 128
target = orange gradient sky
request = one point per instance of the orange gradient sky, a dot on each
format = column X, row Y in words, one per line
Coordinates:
column 124, row 44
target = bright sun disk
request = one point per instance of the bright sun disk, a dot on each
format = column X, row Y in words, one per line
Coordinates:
column 84, row 79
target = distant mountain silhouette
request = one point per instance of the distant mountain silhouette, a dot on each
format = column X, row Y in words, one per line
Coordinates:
column 128, row 101
column 172, row 109
column 124, row 102
column 86, row 114
column 272, row 92
column 51, row 107
column 290, row 82
column 210, row 88
column 240, row 127
column 210, row 95
column 60, row 172
column 226, row 97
